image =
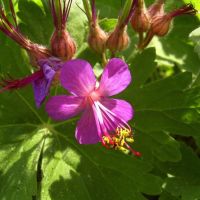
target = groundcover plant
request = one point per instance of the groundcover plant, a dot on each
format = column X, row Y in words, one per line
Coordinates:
column 99, row 99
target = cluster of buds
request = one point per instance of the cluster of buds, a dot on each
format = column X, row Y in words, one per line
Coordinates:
column 49, row 61
column 115, row 41
column 119, row 141
column 154, row 21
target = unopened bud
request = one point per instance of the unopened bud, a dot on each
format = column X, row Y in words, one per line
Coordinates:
column 161, row 25
column 97, row 39
column 62, row 45
column 140, row 20
column 118, row 40
column 156, row 9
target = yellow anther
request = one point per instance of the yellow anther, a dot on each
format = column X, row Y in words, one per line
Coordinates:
column 123, row 131
column 131, row 140
column 106, row 139
column 123, row 149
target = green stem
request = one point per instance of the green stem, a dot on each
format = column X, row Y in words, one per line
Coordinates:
column 146, row 41
column 58, row 9
column 125, row 12
column 104, row 59
column 87, row 10
column 141, row 38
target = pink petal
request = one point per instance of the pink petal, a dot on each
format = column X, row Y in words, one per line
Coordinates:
column 121, row 108
column 78, row 77
column 86, row 130
column 115, row 78
column 63, row 107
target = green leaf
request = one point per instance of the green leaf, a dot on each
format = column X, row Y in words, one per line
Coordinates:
column 30, row 14
column 66, row 166
column 19, row 164
column 108, row 25
column 167, row 196
column 195, row 37
column 183, row 178
column 143, row 66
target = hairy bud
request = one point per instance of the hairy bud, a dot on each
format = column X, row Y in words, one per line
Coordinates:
column 97, row 39
column 160, row 25
column 62, row 45
column 118, row 40
column 140, row 20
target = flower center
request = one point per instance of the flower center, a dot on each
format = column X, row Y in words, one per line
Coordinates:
column 94, row 95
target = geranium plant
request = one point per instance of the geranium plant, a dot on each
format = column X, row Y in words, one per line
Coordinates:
column 99, row 99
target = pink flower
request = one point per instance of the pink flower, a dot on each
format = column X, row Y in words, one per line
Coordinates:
column 103, row 119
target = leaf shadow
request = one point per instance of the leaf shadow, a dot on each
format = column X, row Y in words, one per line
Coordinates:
column 19, row 179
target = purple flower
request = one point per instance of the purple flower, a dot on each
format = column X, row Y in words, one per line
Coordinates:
column 41, row 79
column 103, row 119
column 41, row 85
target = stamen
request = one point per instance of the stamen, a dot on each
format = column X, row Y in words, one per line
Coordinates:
column 136, row 153
column 116, row 132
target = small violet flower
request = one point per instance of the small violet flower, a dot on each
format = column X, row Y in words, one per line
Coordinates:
column 103, row 118
column 41, row 79
column 41, row 86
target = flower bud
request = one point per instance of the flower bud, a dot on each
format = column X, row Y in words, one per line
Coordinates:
column 140, row 20
column 118, row 40
column 62, row 45
column 160, row 25
column 97, row 39
column 156, row 9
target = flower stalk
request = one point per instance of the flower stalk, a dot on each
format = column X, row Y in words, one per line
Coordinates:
column 87, row 8
column 35, row 51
